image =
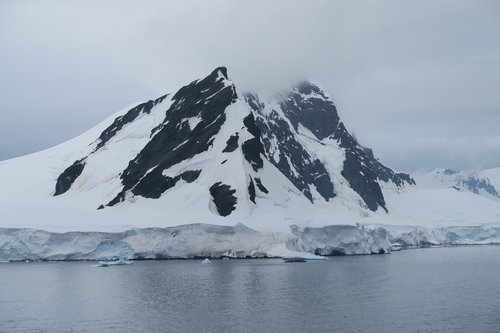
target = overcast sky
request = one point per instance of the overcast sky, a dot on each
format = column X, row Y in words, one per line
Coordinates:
column 418, row 81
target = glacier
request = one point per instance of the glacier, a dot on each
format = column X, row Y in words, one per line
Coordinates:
column 239, row 241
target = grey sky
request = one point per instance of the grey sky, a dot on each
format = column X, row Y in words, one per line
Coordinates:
column 418, row 81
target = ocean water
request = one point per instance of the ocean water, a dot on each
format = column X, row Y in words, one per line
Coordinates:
column 424, row 290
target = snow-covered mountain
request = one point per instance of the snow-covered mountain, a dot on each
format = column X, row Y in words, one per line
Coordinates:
column 205, row 154
column 477, row 183
column 220, row 140
column 208, row 154
column 493, row 176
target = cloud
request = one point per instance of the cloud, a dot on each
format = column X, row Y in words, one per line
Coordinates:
column 415, row 81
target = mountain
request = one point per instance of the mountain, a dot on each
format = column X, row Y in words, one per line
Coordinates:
column 493, row 176
column 215, row 152
column 285, row 167
column 477, row 183
column 306, row 141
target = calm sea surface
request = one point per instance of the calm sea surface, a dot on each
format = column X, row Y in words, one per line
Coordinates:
column 428, row 290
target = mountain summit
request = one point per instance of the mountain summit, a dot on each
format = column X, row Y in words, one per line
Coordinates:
column 234, row 151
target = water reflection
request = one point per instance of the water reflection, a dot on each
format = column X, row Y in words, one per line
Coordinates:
column 445, row 290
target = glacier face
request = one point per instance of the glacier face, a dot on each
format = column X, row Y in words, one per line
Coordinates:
column 340, row 240
column 185, row 241
column 239, row 241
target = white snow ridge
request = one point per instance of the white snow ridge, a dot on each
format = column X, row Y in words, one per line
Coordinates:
column 210, row 172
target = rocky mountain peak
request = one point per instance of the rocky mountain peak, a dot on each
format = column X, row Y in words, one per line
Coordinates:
column 307, row 105
column 228, row 147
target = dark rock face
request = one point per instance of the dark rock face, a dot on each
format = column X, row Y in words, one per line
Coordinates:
column 475, row 184
column 68, row 177
column 154, row 187
column 386, row 174
column 127, row 118
column 174, row 141
column 293, row 160
column 253, row 148
column 190, row 176
column 359, row 170
column 251, row 190
column 260, row 186
column 450, row 172
column 223, row 198
column 231, row 144
column 307, row 105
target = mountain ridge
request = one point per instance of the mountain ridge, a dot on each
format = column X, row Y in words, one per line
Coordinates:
column 477, row 183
